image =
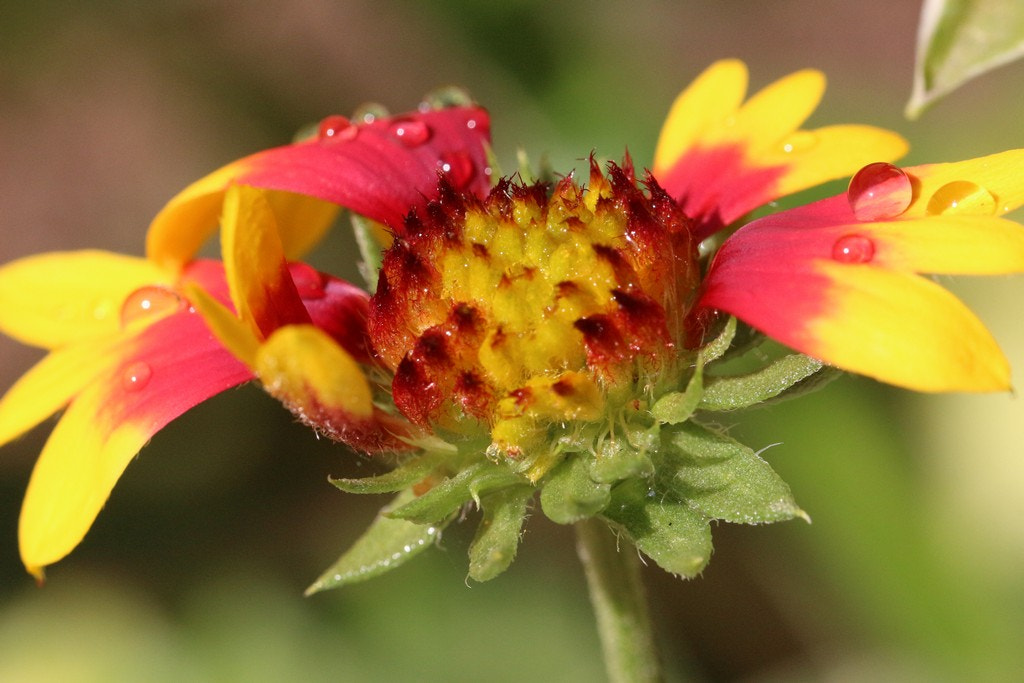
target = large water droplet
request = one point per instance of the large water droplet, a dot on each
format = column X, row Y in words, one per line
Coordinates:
column 458, row 167
column 149, row 301
column 879, row 191
column 136, row 376
column 370, row 112
column 800, row 141
column 337, row 127
column 853, row 249
column 410, row 132
column 962, row 196
column 443, row 98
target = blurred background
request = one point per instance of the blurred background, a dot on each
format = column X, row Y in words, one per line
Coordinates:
column 911, row 570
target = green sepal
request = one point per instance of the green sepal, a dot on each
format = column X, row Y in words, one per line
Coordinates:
column 371, row 251
column 722, row 478
column 771, row 381
column 717, row 347
column 620, row 457
column 497, row 538
column 569, row 493
column 388, row 543
column 673, row 534
column 449, row 495
column 402, row 477
column 678, row 406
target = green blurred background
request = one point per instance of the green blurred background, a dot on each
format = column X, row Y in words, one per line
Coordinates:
column 911, row 570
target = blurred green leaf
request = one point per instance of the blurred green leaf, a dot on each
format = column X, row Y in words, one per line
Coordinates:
column 387, row 544
column 723, row 478
column 497, row 538
column 958, row 40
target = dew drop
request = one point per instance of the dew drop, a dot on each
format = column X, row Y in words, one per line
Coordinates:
column 410, row 132
column 800, row 141
column 458, row 167
column 136, row 376
column 370, row 112
column 853, row 249
column 148, row 301
column 443, row 98
column 336, row 127
column 878, row 191
column 962, row 196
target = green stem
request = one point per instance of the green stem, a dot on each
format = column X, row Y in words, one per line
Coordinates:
column 617, row 593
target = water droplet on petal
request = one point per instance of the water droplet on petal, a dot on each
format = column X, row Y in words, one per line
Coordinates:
column 308, row 280
column 962, row 196
column 800, row 141
column 458, row 167
column 136, row 376
column 879, row 191
column 336, row 127
column 410, row 132
column 370, row 112
column 853, row 249
column 148, row 301
column 443, row 98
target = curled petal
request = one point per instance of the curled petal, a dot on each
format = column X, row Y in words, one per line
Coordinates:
column 370, row 170
column 261, row 287
column 58, row 298
column 148, row 379
column 721, row 158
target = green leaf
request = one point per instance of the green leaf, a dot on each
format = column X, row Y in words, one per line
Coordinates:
column 619, row 458
column 497, row 538
column 771, row 381
column 723, row 478
column 452, row 493
column 672, row 534
column 678, row 406
column 569, row 494
column 370, row 249
column 958, row 40
column 387, row 544
column 405, row 475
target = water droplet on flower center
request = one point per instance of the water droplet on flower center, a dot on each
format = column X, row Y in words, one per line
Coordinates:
column 149, row 301
column 410, row 132
column 961, row 196
column 458, row 167
column 853, row 249
column 136, row 376
column 879, row 191
column 336, row 127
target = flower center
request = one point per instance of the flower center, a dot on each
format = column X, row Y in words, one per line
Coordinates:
column 531, row 309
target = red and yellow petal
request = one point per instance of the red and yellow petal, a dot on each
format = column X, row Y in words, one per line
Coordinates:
column 369, row 168
column 54, row 299
column 721, row 158
column 150, row 378
column 261, row 287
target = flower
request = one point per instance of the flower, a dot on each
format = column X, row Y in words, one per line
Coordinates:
column 128, row 353
column 555, row 337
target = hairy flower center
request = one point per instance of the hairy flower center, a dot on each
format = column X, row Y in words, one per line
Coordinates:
column 529, row 309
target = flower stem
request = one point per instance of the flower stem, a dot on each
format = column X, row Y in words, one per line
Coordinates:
column 617, row 593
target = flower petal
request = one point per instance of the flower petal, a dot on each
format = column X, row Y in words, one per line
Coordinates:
column 254, row 262
column 50, row 300
column 720, row 158
column 992, row 184
column 371, row 171
column 152, row 377
column 876, row 318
